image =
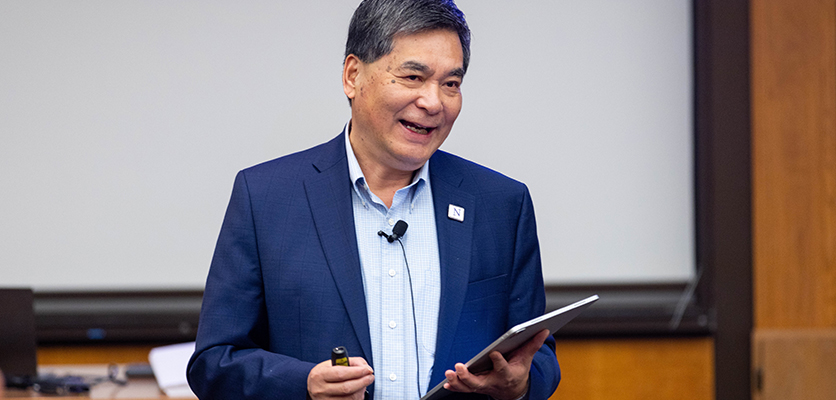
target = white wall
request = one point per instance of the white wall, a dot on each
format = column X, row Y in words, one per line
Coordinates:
column 123, row 124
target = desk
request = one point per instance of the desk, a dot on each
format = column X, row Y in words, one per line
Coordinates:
column 136, row 389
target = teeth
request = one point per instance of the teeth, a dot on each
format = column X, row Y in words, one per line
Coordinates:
column 422, row 131
column 416, row 129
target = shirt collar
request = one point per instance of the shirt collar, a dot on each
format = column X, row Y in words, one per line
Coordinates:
column 358, row 179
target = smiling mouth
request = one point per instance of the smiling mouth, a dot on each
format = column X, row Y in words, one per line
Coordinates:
column 419, row 129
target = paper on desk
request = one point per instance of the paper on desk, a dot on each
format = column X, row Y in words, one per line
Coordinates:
column 169, row 364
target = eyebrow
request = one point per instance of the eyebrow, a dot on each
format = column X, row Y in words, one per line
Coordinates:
column 422, row 68
column 415, row 66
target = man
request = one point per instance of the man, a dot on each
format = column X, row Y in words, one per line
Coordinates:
column 306, row 260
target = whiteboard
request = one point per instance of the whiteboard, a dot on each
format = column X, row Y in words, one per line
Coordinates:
column 123, row 124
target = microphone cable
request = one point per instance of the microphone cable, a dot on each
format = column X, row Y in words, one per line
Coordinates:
column 397, row 233
column 414, row 320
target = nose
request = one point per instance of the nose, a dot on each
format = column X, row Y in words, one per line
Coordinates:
column 430, row 99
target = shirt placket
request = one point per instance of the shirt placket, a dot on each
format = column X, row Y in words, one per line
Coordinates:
column 395, row 301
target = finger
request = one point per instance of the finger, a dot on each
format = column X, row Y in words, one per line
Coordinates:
column 450, row 375
column 360, row 362
column 357, row 361
column 499, row 362
column 525, row 353
column 345, row 390
column 327, row 381
column 471, row 381
column 341, row 374
column 454, row 381
column 349, row 387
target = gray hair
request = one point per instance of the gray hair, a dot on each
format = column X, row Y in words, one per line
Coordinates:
column 376, row 23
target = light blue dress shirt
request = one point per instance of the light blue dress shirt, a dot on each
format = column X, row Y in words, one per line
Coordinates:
column 386, row 281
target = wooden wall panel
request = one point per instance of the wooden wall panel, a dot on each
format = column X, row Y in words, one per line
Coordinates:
column 795, row 364
column 636, row 369
column 93, row 354
column 593, row 369
column 794, row 162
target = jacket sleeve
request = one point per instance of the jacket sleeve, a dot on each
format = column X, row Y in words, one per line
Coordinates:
column 230, row 359
column 528, row 300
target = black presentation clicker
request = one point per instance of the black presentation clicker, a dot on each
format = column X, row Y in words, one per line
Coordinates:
column 339, row 356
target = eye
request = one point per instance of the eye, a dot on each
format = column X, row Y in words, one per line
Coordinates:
column 413, row 78
column 452, row 84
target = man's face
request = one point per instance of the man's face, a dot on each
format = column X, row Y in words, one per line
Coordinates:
column 404, row 104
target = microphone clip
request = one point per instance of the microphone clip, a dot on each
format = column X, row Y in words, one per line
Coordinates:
column 389, row 238
column 397, row 231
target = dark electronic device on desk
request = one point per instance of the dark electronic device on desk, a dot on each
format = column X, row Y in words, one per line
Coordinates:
column 139, row 370
column 60, row 385
column 18, row 349
column 515, row 337
column 18, row 345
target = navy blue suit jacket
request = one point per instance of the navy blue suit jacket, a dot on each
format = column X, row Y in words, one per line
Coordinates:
column 285, row 284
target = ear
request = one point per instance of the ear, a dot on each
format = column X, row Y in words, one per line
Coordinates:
column 351, row 69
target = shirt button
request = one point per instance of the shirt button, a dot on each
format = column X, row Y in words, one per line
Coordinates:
column 392, row 272
column 392, row 324
column 393, row 377
column 391, row 221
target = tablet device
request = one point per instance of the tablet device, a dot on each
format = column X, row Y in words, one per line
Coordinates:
column 515, row 337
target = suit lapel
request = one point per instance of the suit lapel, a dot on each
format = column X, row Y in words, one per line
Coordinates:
column 329, row 197
column 454, row 247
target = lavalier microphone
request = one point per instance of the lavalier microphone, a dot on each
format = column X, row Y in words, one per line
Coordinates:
column 397, row 232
